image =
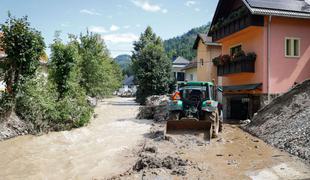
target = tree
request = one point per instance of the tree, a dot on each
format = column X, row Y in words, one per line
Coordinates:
column 24, row 47
column 151, row 66
column 100, row 76
column 63, row 66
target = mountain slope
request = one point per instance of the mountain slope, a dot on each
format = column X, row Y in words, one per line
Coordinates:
column 123, row 60
column 183, row 45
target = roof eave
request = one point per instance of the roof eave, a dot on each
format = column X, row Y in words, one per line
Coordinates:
column 273, row 12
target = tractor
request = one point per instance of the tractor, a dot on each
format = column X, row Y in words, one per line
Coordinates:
column 195, row 107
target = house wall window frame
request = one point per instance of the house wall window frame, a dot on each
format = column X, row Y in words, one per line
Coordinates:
column 233, row 47
column 289, row 52
column 201, row 62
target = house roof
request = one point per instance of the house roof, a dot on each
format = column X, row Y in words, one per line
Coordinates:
column 129, row 80
column 287, row 8
column 207, row 40
column 180, row 61
column 191, row 65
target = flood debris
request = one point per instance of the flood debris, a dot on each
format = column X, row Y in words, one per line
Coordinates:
column 285, row 122
column 13, row 127
column 149, row 161
column 156, row 108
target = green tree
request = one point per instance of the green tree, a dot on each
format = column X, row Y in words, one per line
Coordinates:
column 151, row 66
column 100, row 76
column 24, row 47
column 63, row 68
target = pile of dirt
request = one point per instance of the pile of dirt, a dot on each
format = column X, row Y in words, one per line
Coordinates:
column 150, row 159
column 285, row 122
column 13, row 127
column 156, row 108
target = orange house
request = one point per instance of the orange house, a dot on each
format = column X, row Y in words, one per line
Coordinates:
column 265, row 51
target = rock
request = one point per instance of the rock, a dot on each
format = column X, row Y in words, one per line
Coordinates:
column 156, row 108
column 151, row 149
column 92, row 101
column 245, row 121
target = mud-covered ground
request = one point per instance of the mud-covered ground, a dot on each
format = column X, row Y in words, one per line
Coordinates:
column 234, row 155
column 117, row 146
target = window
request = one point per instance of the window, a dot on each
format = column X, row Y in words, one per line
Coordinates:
column 180, row 76
column 191, row 77
column 201, row 62
column 292, row 47
column 235, row 49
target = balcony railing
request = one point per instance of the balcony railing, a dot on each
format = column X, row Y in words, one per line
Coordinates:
column 235, row 64
column 234, row 22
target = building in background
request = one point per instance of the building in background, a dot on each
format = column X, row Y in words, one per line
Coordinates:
column 177, row 68
column 206, row 51
column 265, row 51
column 191, row 71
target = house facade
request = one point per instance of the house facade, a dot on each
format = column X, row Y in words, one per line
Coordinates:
column 265, row 51
column 191, row 71
column 206, row 51
column 177, row 68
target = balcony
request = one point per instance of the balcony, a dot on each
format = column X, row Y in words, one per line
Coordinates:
column 234, row 22
column 239, row 63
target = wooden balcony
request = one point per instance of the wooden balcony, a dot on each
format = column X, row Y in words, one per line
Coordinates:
column 247, row 66
column 237, row 25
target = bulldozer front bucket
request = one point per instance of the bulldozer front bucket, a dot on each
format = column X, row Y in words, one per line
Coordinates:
column 189, row 124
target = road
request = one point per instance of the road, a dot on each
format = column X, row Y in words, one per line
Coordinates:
column 102, row 149
column 110, row 144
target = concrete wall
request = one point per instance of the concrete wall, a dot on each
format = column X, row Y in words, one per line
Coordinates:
column 286, row 71
column 206, row 71
column 251, row 40
column 189, row 72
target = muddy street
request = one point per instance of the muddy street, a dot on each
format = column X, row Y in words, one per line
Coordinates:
column 102, row 149
column 111, row 146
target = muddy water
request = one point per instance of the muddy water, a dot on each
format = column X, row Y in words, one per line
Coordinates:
column 99, row 150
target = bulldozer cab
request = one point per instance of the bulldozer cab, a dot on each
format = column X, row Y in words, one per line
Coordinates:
column 192, row 107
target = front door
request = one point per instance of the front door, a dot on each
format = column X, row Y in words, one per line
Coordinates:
column 239, row 110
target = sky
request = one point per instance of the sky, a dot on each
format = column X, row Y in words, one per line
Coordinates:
column 119, row 22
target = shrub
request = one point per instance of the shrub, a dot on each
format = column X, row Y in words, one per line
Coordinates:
column 36, row 103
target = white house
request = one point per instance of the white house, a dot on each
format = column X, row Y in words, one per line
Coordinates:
column 177, row 68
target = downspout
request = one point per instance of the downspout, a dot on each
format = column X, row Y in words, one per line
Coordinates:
column 268, row 56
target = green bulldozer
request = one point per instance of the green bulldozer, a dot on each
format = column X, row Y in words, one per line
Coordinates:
column 194, row 107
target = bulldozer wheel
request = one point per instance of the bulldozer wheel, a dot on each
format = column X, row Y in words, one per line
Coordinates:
column 174, row 116
column 214, row 118
column 220, row 126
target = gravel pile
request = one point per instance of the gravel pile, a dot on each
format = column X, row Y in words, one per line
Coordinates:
column 285, row 122
column 156, row 108
column 13, row 127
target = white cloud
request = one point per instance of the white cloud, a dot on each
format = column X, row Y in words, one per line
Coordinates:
column 114, row 28
column 90, row 12
column 197, row 9
column 147, row 6
column 120, row 38
column 97, row 29
column 126, row 27
column 138, row 25
column 190, row 3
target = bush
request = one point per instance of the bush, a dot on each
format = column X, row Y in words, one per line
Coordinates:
column 38, row 104
column 73, row 109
